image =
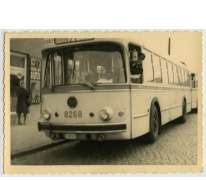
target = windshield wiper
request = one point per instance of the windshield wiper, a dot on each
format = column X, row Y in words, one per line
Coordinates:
column 87, row 83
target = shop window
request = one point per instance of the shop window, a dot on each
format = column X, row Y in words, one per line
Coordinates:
column 35, row 77
column 17, row 74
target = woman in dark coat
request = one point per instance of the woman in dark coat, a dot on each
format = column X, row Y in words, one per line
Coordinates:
column 23, row 96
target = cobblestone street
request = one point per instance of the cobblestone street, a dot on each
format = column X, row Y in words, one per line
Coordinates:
column 176, row 145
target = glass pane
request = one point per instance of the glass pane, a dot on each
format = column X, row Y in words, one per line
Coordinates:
column 57, row 68
column 95, row 63
column 148, row 72
column 175, row 79
column 164, row 72
column 170, row 73
column 148, row 56
column 188, row 79
column 183, row 77
column 156, row 60
column 47, row 72
column 17, row 61
column 178, row 76
column 185, row 74
column 175, row 75
column 196, row 80
column 157, row 75
column 157, row 70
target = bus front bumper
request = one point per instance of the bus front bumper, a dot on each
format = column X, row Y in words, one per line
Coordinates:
column 82, row 128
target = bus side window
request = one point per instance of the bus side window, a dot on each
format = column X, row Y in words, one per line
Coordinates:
column 164, row 71
column 196, row 80
column 175, row 74
column 135, row 63
column 185, row 77
column 178, row 76
column 188, row 79
column 148, row 75
column 157, row 70
column 170, row 73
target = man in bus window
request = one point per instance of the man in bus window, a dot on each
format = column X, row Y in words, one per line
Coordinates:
column 106, row 77
column 136, row 69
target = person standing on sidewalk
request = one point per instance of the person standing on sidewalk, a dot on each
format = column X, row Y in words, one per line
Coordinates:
column 22, row 102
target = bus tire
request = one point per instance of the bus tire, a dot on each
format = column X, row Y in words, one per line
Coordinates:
column 154, row 124
column 183, row 118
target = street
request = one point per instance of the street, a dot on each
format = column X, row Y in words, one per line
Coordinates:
column 176, row 145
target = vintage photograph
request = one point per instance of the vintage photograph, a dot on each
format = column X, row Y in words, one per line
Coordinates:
column 75, row 102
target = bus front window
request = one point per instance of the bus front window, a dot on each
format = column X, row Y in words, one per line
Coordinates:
column 95, row 63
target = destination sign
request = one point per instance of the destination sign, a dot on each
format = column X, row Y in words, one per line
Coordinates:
column 70, row 40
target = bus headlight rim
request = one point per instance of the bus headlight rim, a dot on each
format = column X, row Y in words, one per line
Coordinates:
column 104, row 115
column 46, row 114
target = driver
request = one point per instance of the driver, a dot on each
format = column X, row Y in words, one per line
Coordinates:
column 106, row 77
column 136, row 69
column 136, row 66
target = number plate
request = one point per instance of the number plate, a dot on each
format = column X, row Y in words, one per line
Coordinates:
column 70, row 136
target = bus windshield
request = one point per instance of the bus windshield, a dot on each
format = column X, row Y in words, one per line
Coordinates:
column 93, row 63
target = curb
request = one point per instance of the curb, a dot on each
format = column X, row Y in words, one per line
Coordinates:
column 36, row 148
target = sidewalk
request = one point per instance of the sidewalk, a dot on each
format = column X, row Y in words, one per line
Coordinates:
column 26, row 138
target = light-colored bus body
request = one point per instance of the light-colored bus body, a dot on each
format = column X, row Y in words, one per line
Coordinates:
column 194, row 84
column 130, row 103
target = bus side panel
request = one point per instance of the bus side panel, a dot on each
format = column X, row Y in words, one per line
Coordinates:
column 176, row 97
column 194, row 98
column 141, row 101
column 188, row 94
column 163, row 97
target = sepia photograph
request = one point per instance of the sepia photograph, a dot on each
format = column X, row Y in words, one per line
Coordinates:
column 103, row 102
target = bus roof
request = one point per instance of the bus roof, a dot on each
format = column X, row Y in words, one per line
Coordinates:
column 62, row 42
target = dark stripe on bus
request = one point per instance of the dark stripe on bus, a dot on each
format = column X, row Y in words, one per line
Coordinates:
column 80, row 128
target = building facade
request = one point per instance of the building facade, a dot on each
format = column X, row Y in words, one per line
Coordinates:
column 25, row 65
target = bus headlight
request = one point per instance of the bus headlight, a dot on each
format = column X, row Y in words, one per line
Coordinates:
column 46, row 114
column 106, row 114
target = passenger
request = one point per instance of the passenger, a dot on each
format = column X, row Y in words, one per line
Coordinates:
column 105, row 77
column 22, row 102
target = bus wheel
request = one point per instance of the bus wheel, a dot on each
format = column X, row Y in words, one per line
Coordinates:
column 154, row 124
column 183, row 118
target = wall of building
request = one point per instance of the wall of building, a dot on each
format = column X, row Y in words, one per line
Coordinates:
column 31, row 47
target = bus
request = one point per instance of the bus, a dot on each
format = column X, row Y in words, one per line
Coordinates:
column 89, row 92
column 194, row 85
